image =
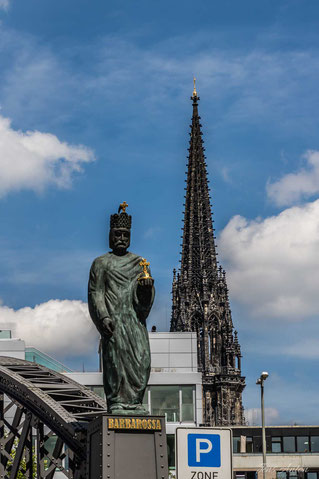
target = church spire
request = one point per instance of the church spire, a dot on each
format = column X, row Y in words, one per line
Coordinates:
column 198, row 249
column 200, row 293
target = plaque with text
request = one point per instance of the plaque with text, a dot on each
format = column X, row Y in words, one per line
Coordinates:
column 127, row 447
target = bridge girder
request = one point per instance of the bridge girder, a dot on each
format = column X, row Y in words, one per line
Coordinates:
column 51, row 404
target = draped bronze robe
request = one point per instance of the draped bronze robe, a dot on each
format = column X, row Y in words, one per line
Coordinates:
column 112, row 292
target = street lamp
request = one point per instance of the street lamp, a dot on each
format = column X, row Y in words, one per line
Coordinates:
column 264, row 375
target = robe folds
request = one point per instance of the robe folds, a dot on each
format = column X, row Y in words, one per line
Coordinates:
column 112, row 293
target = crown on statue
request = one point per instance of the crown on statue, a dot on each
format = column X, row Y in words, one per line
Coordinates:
column 121, row 219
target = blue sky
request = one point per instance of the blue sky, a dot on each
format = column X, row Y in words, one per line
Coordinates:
column 95, row 110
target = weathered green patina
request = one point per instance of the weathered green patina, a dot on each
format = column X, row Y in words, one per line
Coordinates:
column 119, row 304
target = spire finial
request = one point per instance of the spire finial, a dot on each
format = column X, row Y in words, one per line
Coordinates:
column 123, row 207
column 194, row 91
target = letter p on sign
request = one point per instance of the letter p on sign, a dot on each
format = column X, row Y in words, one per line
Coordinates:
column 204, row 450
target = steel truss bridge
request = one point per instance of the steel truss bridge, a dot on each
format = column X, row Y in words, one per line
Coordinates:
column 40, row 407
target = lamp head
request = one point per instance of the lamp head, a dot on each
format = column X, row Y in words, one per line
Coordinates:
column 264, row 375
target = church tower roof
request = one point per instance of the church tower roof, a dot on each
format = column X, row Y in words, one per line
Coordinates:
column 198, row 261
column 200, row 293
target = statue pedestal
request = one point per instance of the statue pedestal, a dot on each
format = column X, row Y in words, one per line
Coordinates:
column 127, row 447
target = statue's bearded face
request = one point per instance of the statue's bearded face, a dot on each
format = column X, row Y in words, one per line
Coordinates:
column 120, row 239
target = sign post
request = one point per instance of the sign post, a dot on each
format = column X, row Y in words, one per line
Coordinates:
column 204, row 453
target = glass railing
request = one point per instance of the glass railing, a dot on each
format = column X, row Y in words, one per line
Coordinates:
column 36, row 356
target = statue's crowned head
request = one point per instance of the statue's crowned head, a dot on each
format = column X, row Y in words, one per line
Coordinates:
column 120, row 230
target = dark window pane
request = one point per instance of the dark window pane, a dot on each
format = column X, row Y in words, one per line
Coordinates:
column 276, row 447
column 302, row 444
column 171, row 450
column 281, row 475
column 251, row 475
column 289, row 444
column 293, row 475
column 165, row 401
column 187, row 404
column 312, row 475
column 314, row 443
column 236, row 444
column 249, row 444
column 276, row 444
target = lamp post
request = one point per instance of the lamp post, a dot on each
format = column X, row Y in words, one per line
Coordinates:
column 264, row 375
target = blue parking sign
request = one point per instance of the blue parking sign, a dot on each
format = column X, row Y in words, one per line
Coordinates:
column 203, row 450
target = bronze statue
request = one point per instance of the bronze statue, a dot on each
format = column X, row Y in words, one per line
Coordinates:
column 120, row 297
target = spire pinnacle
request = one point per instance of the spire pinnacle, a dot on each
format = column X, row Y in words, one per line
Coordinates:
column 194, row 91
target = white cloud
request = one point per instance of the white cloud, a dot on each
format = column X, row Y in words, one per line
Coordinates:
column 34, row 160
column 253, row 416
column 4, row 4
column 273, row 263
column 58, row 327
column 294, row 187
column 306, row 348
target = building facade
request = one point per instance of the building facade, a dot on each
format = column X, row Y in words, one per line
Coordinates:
column 200, row 295
column 292, row 452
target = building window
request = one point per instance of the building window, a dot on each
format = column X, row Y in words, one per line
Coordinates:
column 146, row 399
column 187, row 399
column 236, row 444
column 99, row 390
column 5, row 334
column 246, row 475
column 165, row 402
column 314, row 443
column 171, row 450
column 289, row 444
column 302, row 444
column 176, row 403
column 276, row 444
column 312, row 475
column 286, row 475
column 249, row 444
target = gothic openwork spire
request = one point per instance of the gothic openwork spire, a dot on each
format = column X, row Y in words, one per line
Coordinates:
column 200, row 294
column 198, row 262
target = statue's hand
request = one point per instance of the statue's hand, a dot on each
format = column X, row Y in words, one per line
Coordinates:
column 107, row 327
column 146, row 282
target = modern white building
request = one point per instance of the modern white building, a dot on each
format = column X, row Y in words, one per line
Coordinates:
column 174, row 388
column 12, row 347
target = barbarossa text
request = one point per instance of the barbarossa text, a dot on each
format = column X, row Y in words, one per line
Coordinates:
column 131, row 423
